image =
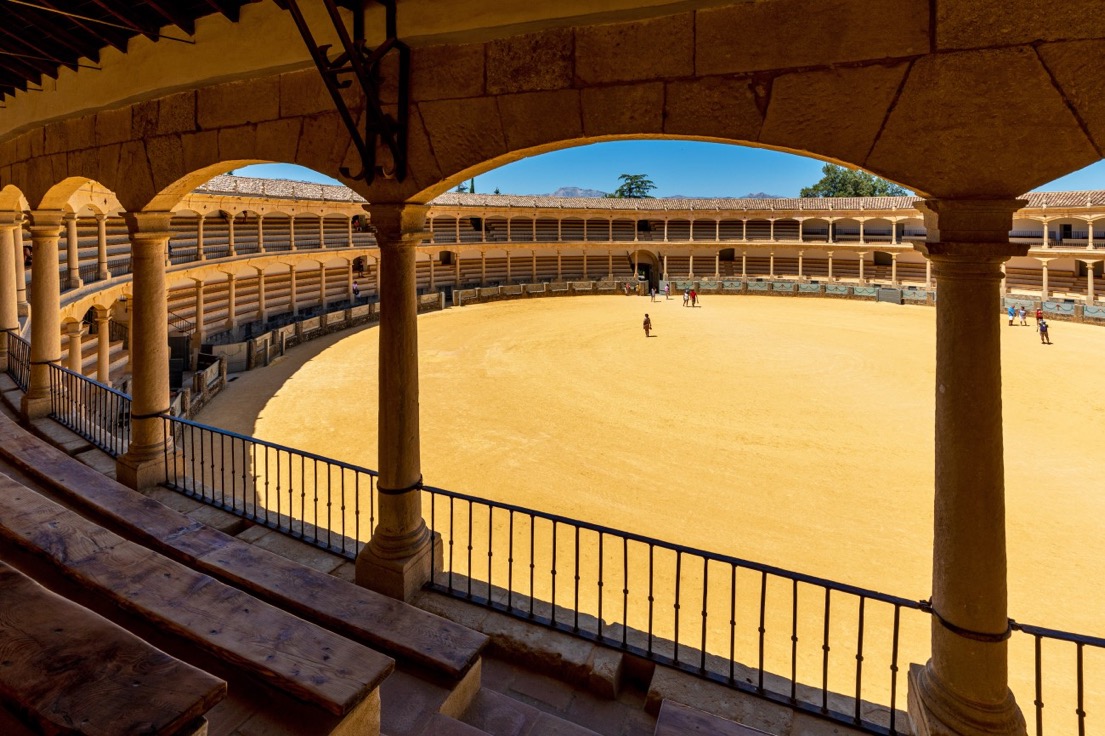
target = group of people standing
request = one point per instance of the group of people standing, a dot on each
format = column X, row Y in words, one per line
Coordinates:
column 1041, row 323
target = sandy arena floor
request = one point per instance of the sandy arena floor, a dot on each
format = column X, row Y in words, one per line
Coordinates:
column 791, row 432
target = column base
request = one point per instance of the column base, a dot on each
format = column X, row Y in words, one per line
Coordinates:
column 103, row 275
column 74, row 282
column 23, row 309
column 403, row 577
column 937, row 711
column 141, row 470
column 35, row 407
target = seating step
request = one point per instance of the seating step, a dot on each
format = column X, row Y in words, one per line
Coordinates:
column 408, row 633
column 112, row 681
column 500, row 715
column 676, row 719
column 292, row 655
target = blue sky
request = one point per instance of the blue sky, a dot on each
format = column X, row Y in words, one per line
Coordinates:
column 686, row 168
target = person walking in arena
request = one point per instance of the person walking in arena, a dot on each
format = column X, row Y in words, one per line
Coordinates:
column 1023, row 314
column 647, row 325
column 667, row 291
column 694, row 298
column 1012, row 311
column 686, row 296
column 1039, row 318
column 1044, row 337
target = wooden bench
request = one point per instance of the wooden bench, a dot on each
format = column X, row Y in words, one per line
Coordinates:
column 437, row 645
column 291, row 655
column 66, row 670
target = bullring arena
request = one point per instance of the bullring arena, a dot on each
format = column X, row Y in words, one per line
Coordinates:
column 839, row 495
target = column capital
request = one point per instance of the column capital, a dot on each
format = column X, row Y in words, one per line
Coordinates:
column 11, row 220
column 399, row 224
column 149, row 225
column 100, row 216
column 969, row 220
column 41, row 219
column 74, row 328
column 69, row 217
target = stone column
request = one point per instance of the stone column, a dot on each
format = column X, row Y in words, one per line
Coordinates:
column 585, row 277
column 262, row 309
column 690, row 266
column 894, row 269
column 399, row 558
column 862, row 256
column 1045, row 243
column 610, row 265
column 232, row 250
column 433, row 257
column 321, row 231
column 456, row 265
column 1089, row 234
column 744, row 229
column 829, row 232
column 291, row 232
column 665, row 229
column 928, row 273
column 829, row 253
column 1089, row 282
column 717, row 231
column 458, row 230
column 201, row 316
column 771, row 264
column 636, row 264
column 349, row 232
column 483, row 268
column 75, row 355
column 1004, row 281
column 295, row 297
column 533, row 229
column 9, row 305
column 143, row 465
column 101, row 248
column 103, row 346
column 261, row 233
column 610, row 231
column 534, row 258
column 559, row 230
column 322, row 285
column 232, row 301
column 801, row 253
column 1044, row 291
column 201, row 252
column 861, row 238
column 801, row 222
column 46, row 311
column 744, row 264
column 23, row 306
column 893, row 232
column 963, row 689
column 559, row 270
column 72, row 253
column 665, row 267
column 771, row 226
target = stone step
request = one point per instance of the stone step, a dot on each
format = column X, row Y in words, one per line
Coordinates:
column 676, row 719
column 500, row 715
column 410, row 704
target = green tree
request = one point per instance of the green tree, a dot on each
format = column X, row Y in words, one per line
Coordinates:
column 633, row 186
column 841, row 182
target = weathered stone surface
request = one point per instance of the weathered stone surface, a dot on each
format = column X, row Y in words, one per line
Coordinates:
column 144, row 119
column 529, row 63
column 200, row 149
column 277, row 140
column 238, row 143
column 318, row 141
column 238, row 103
column 538, row 118
column 978, row 23
column 1078, row 68
column 303, row 93
column 166, row 160
column 722, row 701
column 934, row 143
column 113, row 126
column 423, row 171
column 660, row 48
column 176, row 113
column 444, row 72
column 717, row 107
column 781, row 35
column 635, row 109
column 836, row 113
column 463, row 133
column 133, row 181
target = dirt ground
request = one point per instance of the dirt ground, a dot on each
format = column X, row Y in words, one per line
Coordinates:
column 793, row 432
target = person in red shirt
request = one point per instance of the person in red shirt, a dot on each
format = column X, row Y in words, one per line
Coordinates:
column 1039, row 318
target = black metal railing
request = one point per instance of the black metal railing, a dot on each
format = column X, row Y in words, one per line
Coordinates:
column 118, row 332
column 1070, row 656
column 19, row 360
column 119, row 266
column 826, row 648
column 182, row 325
column 96, row 412
column 321, row 501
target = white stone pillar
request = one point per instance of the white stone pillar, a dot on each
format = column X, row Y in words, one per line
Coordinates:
column 143, row 465
column 894, row 269
column 45, row 310
column 771, row 220
column 292, row 283
column 559, row 231
column 862, row 257
column 963, row 689
column 861, row 236
column 262, row 307
column 665, row 229
column 483, row 268
column 717, row 265
column 349, row 235
column 610, row 231
column 585, row 229
column 400, row 557
column 232, row 301
column 291, row 232
column 349, row 280
column 928, row 273
column 322, row 296
column 201, row 251
column 1004, row 281
column 232, row 249
column 458, row 230
column 609, row 265
column 533, row 229
column 483, row 229
column 74, row 331
column 744, row 229
column 101, row 248
column 434, row 256
column 800, row 254
column 1044, row 291
column 559, row 270
column 261, row 233
column 893, row 232
column 690, row 266
column 1089, row 282
column 771, row 264
column 1045, row 241
column 22, row 304
column 534, row 257
column 829, row 253
column 585, row 276
column 456, row 269
column 321, row 231
column 72, row 253
column 829, row 231
column 201, row 315
column 801, row 236
column 103, row 346
column 717, row 231
column 744, row 264
column 9, row 303
column 1089, row 234
column 665, row 267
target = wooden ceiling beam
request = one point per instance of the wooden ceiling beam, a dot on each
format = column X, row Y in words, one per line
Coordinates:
column 54, row 31
column 101, row 33
column 145, row 30
column 168, row 12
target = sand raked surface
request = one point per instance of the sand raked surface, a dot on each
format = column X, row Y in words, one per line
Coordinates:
column 793, row 432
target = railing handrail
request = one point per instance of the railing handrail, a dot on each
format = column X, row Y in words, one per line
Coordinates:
column 1070, row 636
column 82, row 377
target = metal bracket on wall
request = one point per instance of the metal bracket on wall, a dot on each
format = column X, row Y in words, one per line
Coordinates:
column 356, row 62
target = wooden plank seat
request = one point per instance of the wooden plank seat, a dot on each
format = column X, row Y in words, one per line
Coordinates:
column 416, row 637
column 294, row 656
column 66, row 670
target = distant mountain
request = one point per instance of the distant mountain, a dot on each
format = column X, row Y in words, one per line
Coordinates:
column 762, row 195
column 577, row 192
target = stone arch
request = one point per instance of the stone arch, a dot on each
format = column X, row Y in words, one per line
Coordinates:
column 12, row 199
column 61, row 196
